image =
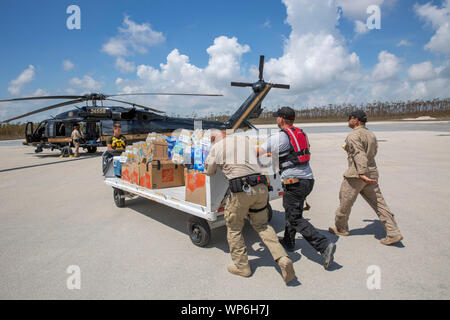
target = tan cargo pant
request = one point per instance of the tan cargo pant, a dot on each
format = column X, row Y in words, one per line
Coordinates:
column 350, row 189
column 236, row 210
column 77, row 149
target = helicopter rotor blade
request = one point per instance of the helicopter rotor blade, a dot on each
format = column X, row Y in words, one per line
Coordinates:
column 44, row 109
column 281, row 86
column 167, row 94
column 42, row 98
column 261, row 67
column 137, row 105
column 241, row 84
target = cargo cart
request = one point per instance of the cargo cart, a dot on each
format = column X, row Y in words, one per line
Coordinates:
column 202, row 219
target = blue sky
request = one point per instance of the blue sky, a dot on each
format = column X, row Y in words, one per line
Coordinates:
column 34, row 37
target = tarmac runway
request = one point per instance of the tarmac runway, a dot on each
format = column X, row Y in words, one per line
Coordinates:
column 57, row 213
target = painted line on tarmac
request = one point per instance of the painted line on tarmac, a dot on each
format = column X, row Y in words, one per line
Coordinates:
column 46, row 164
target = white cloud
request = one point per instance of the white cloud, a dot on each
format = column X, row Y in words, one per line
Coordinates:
column 132, row 37
column 360, row 27
column 314, row 55
column 403, row 43
column 444, row 71
column 178, row 74
column 41, row 92
column 87, row 82
column 125, row 66
column 115, row 47
column 16, row 85
column 388, row 66
column 422, row 71
column 70, row 91
column 67, row 65
column 439, row 18
column 315, row 62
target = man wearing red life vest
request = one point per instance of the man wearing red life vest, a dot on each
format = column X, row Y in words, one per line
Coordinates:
column 291, row 145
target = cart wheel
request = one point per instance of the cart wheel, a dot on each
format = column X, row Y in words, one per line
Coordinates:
column 119, row 198
column 199, row 231
column 269, row 212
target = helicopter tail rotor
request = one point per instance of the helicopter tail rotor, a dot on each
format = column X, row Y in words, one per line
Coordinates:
column 261, row 67
column 260, row 83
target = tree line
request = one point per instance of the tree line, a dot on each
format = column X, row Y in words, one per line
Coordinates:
column 12, row 131
column 377, row 110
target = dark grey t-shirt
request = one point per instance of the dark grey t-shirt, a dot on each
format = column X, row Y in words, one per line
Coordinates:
column 278, row 144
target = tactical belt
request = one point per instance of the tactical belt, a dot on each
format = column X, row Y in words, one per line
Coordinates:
column 257, row 210
column 244, row 183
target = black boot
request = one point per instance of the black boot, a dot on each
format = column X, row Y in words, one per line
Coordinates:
column 288, row 242
column 328, row 255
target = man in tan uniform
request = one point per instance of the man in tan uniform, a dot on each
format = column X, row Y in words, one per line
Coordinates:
column 248, row 198
column 361, row 178
column 76, row 136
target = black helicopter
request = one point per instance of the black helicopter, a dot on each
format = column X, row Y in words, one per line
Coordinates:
column 97, row 121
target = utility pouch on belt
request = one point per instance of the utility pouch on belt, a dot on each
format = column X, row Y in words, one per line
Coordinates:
column 241, row 184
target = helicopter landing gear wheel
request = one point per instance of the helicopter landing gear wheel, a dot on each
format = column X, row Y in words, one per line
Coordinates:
column 199, row 231
column 91, row 149
column 119, row 198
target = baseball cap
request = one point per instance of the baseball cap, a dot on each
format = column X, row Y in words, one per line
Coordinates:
column 358, row 114
column 285, row 113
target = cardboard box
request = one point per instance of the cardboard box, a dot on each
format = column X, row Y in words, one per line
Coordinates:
column 153, row 150
column 195, row 187
column 130, row 172
column 161, row 174
column 160, row 151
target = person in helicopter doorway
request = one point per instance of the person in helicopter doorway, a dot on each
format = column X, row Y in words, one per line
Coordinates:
column 117, row 141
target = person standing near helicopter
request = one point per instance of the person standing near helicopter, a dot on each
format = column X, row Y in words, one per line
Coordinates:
column 117, row 141
column 76, row 136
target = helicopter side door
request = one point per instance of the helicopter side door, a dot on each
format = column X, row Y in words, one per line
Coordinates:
column 29, row 132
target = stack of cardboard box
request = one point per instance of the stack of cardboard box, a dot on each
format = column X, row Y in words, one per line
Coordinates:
column 152, row 168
